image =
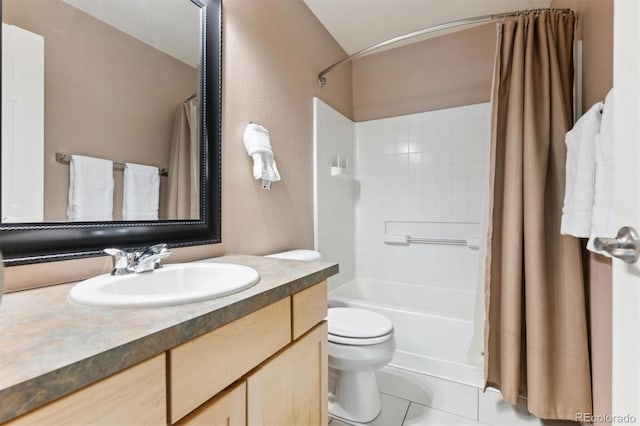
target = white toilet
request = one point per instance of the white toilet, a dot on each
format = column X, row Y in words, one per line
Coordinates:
column 360, row 343
column 299, row 254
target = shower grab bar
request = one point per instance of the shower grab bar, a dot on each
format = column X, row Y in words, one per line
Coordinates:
column 65, row 158
column 405, row 239
column 438, row 241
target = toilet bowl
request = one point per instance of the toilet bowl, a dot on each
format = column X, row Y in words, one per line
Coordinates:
column 360, row 343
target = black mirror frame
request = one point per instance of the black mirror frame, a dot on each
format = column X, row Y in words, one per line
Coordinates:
column 24, row 243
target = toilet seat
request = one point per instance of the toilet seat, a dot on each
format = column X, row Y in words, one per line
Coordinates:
column 358, row 341
column 359, row 327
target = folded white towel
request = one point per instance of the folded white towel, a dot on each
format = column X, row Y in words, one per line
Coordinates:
column 258, row 145
column 580, row 174
column 141, row 192
column 602, row 217
column 90, row 189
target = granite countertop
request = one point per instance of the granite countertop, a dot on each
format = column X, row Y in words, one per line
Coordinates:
column 50, row 347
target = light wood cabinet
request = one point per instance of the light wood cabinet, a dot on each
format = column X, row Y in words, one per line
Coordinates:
column 204, row 366
column 291, row 388
column 308, row 307
column 229, row 408
column 135, row 396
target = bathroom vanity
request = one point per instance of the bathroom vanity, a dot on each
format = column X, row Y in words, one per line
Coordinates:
column 254, row 357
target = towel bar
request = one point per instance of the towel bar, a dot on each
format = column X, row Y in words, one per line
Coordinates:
column 65, row 158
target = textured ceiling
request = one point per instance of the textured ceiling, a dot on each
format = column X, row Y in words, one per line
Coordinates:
column 357, row 24
column 171, row 26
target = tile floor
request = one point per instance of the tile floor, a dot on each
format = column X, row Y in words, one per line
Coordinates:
column 410, row 398
column 401, row 412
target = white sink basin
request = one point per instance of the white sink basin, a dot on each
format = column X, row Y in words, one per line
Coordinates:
column 170, row 285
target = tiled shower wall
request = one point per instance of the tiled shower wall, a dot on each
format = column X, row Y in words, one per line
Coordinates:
column 424, row 175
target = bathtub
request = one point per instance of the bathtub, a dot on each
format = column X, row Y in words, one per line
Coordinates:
column 432, row 333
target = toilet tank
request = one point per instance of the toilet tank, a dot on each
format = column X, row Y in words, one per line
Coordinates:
column 308, row 255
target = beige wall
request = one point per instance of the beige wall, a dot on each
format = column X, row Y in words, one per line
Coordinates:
column 595, row 28
column 452, row 70
column 107, row 94
column 273, row 51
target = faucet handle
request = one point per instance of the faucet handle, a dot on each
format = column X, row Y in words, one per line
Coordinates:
column 120, row 260
column 149, row 258
column 155, row 249
column 157, row 263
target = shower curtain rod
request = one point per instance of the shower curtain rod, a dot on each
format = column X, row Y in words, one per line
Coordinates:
column 461, row 22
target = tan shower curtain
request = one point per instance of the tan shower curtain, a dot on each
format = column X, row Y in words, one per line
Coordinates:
column 184, row 165
column 536, row 331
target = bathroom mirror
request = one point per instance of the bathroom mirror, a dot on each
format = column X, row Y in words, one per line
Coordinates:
column 125, row 81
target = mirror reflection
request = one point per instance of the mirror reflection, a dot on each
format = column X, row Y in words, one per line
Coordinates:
column 100, row 110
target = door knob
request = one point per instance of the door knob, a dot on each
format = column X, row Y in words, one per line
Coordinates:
column 624, row 246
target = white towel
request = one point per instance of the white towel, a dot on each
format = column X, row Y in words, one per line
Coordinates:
column 602, row 217
column 141, row 192
column 90, row 189
column 258, row 145
column 580, row 174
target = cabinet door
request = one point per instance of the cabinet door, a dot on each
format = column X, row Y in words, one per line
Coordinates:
column 291, row 388
column 227, row 409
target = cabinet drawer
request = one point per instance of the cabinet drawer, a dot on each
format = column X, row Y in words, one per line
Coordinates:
column 201, row 368
column 135, row 396
column 309, row 308
column 227, row 408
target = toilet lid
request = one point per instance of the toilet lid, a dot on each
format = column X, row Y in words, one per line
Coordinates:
column 358, row 323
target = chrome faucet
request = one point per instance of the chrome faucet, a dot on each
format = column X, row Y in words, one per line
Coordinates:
column 135, row 262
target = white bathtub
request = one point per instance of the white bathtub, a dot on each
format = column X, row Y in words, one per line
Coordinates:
column 432, row 334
